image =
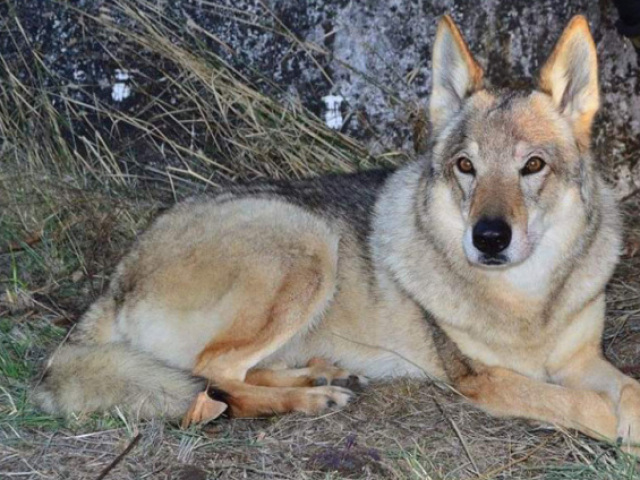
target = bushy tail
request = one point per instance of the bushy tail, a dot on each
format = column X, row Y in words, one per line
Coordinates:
column 87, row 378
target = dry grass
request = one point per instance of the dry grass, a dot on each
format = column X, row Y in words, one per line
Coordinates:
column 80, row 176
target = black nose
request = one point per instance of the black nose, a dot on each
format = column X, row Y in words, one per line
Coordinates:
column 491, row 235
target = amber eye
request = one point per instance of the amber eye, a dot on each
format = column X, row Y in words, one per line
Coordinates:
column 533, row 165
column 465, row 165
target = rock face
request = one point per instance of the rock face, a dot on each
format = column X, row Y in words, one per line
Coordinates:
column 375, row 55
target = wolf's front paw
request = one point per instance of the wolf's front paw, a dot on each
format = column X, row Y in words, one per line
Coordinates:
column 629, row 419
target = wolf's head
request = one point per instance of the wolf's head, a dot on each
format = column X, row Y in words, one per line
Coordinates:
column 512, row 162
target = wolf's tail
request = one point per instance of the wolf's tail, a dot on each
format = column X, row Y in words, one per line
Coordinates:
column 87, row 378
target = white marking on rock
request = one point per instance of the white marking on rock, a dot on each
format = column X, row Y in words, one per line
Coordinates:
column 122, row 75
column 79, row 75
column 333, row 115
column 121, row 90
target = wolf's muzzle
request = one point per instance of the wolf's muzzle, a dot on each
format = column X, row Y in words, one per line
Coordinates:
column 491, row 235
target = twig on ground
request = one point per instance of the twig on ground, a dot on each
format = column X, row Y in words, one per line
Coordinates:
column 515, row 461
column 460, row 437
column 119, row 458
column 23, row 244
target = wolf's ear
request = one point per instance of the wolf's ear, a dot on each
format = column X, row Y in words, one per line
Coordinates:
column 570, row 76
column 456, row 74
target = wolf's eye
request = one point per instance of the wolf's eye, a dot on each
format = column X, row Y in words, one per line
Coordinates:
column 533, row 165
column 465, row 165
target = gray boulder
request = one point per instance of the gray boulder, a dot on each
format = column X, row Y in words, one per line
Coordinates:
column 361, row 66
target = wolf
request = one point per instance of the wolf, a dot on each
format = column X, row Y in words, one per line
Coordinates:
column 482, row 264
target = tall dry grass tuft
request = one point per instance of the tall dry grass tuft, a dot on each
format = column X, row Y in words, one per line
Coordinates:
column 195, row 121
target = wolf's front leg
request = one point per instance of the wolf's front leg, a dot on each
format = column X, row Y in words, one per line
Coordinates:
column 578, row 363
column 589, row 370
column 505, row 393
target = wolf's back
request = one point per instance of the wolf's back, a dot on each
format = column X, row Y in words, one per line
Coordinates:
column 87, row 378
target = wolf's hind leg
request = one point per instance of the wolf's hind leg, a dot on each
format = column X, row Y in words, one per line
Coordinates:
column 318, row 372
column 303, row 289
column 247, row 400
column 300, row 290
